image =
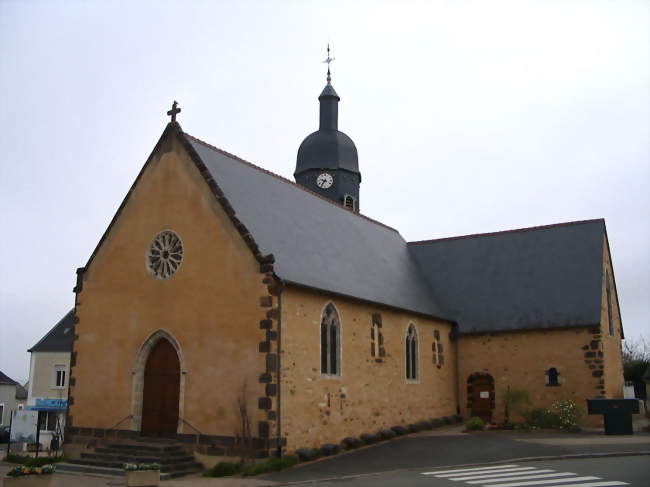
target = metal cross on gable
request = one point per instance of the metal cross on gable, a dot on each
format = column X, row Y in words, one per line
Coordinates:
column 328, row 61
column 174, row 111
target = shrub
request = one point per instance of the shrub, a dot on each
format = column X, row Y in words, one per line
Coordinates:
column 475, row 424
column 272, row 465
column 387, row 434
column 569, row 413
column 21, row 470
column 307, row 454
column 329, row 449
column 400, row 430
column 369, row 438
column 513, row 400
column 437, row 423
column 350, row 443
column 31, row 461
column 541, row 418
column 223, row 469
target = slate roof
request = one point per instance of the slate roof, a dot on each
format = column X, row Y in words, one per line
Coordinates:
column 6, row 380
column 534, row 278
column 21, row 392
column 59, row 338
column 541, row 277
column 318, row 243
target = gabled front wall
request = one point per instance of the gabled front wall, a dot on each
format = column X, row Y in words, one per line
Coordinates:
column 211, row 307
column 369, row 395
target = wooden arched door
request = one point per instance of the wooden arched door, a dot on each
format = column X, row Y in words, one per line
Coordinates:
column 162, row 378
column 481, row 395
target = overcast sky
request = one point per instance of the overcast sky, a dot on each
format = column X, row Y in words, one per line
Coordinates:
column 468, row 117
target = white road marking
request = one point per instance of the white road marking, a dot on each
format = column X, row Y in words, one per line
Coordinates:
column 545, row 482
column 467, row 469
column 594, row 484
column 491, row 475
column 548, row 475
column 501, row 470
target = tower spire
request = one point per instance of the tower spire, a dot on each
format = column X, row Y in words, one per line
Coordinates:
column 328, row 61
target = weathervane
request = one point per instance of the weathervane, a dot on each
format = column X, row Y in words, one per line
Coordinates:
column 328, row 61
column 174, row 111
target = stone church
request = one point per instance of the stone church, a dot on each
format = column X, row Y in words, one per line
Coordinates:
column 221, row 292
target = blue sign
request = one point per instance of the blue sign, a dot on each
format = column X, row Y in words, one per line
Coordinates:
column 43, row 404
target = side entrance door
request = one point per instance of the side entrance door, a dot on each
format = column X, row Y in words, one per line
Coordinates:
column 483, row 397
column 161, row 391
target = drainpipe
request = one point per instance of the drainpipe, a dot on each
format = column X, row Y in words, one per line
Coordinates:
column 279, row 376
column 454, row 331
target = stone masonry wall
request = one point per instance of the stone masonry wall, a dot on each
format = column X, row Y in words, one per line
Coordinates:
column 211, row 307
column 372, row 392
column 520, row 360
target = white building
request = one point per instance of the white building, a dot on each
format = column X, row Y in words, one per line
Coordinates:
column 49, row 371
column 12, row 397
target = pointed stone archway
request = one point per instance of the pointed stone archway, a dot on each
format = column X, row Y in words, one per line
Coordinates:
column 158, row 386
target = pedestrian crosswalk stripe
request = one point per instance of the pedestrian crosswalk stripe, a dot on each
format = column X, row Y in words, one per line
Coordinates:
column 467, row 469
column 594, row 484
column 545, row 482
column 492, row 475
column 527, row 477
column 501, row 470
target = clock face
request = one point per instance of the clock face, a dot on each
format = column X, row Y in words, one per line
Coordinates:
column 324, row 180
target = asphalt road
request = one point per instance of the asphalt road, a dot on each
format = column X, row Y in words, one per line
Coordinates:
column 454, row 448
column 590, row 472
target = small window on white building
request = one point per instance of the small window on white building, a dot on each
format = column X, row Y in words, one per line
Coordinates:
column 2, row 414
column 60, row 376
column 48, row 420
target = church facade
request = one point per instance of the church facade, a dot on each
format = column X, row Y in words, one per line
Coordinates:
column 223, row 295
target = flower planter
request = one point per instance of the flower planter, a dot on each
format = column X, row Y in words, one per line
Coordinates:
column 44, row 480
column 142, row 478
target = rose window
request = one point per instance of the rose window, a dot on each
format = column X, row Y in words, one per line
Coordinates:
column 165, row 254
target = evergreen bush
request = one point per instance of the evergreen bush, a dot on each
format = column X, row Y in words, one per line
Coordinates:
column 475, row 424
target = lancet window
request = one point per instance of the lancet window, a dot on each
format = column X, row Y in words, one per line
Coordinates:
column 411, row 353
column 438, row 351
column 330, row 341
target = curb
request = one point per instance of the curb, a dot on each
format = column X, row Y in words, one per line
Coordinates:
column 499, row 462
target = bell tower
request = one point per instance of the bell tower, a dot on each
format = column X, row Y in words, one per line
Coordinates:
column 327, row 160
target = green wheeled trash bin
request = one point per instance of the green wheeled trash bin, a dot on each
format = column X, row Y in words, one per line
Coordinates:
column 617, row 412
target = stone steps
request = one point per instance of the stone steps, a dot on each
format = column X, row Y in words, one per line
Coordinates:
column 120, row 457
column 71, row 468
column 173, row 459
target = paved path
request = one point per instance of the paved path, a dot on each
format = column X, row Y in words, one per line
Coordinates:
column 433, row 450
column 452, row 447
column 630, row 471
